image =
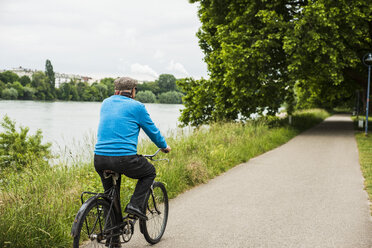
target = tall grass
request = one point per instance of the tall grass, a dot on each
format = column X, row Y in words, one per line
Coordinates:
column 37, row 206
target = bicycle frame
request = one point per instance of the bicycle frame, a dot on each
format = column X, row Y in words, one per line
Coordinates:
column 111, row 196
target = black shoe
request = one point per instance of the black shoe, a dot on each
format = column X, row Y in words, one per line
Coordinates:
column 131, row 209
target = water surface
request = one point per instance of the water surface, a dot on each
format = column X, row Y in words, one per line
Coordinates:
column 69, row 124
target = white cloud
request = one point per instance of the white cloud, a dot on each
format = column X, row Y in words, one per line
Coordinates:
column 159, row 55
column 143, row 72
column 178, row 68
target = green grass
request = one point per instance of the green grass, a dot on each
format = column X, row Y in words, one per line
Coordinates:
column 365, row 155
column 37, row 206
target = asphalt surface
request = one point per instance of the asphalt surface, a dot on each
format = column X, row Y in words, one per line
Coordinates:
column 306, row 193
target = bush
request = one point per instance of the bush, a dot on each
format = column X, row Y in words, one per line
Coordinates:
column 18, row 149
column 9, row 94
column 146, row 96
column 2, row 86
column 18, row 87
column 28, row 93
column 172, row 97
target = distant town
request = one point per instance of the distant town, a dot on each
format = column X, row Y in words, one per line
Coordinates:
column 59, row 77
column 27, row 84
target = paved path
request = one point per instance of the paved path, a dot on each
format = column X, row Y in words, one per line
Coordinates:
column 306, row 193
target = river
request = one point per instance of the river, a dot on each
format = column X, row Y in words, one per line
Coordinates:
column 70, row 125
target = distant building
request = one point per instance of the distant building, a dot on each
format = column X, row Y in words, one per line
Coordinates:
column 60, row 78
column 20, row 71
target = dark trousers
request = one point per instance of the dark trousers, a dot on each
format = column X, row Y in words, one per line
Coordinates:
column 134, row 166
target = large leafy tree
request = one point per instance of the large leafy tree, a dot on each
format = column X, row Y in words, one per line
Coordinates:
column 243, row 46
column 257, row 50
column 166, row 82
column 199, row 102
column 325, row 45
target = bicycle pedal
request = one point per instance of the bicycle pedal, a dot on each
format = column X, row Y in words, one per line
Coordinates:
column 130, row 216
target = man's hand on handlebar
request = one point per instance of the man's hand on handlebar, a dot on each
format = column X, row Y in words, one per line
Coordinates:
column 166, row 150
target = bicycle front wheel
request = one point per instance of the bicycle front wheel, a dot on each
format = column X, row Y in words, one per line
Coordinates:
column 157, row 213
column 93, row 224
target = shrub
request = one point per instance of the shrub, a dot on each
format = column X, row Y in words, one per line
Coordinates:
column 2, row 87
column 9, row 94
column 172, row 97
column 146, row 96
column 18, row 149
column 18, row 87
column 28, row 93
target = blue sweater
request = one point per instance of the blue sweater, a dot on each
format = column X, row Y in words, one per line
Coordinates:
column 120, row 121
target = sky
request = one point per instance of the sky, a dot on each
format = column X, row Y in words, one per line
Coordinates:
column 139, row 38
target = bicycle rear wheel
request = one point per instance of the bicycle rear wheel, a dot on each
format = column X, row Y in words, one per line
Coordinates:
column 157, row 213
column 92, row 225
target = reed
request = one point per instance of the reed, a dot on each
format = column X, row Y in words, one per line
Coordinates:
column 38, row 205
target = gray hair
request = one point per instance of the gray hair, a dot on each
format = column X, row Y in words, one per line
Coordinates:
column 125, row 83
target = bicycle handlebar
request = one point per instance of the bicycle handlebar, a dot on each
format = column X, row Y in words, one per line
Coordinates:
column 151, row 157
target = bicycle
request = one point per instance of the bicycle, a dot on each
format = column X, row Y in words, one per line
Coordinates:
column 99, row 220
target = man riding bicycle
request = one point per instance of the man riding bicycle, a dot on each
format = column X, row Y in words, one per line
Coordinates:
column 121, row 118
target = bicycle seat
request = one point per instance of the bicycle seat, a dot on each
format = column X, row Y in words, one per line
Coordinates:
column 110, row 173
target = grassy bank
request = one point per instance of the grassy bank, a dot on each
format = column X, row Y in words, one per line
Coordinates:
column 365, row 157
column 37, row 206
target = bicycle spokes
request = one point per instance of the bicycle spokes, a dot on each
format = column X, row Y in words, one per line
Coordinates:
column 94, row 224
column 157, row 213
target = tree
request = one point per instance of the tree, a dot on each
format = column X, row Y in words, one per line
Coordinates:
column 257, row 51
column 325, row 46
column 74, row 93
column 242, row 43
column 43, row 88
column 65, row 92
column 146, row 96
column 50, row 73
column 198, row 101
column 109, row 82
column 90, row 94
column 25, row 80
column 81, row 88
column 102, row 91
column 8, row 77
column 166, row 82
